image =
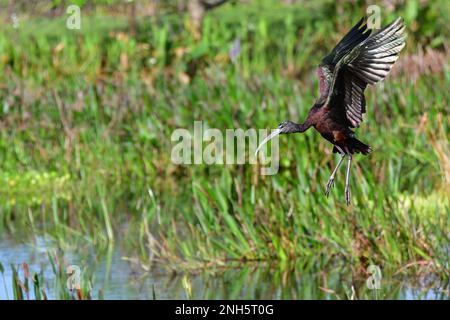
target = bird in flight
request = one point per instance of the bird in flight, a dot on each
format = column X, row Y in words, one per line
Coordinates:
column 359, row 59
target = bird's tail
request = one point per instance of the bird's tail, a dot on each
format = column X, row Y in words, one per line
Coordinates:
column 357, row 146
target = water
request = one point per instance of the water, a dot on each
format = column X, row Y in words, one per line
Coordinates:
column 118, row 278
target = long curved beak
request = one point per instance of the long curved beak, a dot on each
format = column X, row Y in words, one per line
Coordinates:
column 274, row 133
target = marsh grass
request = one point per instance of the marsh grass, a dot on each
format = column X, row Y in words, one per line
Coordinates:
column 88, row 115
column 32, row 285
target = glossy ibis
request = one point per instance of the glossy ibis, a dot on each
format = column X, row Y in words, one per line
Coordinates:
column 359, row 59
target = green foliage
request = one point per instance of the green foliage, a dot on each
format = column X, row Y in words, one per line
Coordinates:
column 22, row 277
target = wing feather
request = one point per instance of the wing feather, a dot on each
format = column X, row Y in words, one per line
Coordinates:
column 325, row 72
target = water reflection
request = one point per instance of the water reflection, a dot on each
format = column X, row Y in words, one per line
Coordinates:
column 120, row 279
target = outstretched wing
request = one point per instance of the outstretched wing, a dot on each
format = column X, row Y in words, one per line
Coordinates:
column 367, row 63
column 325, row 71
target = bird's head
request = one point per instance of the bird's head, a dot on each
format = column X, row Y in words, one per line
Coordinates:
column 287, row 127
column 283, row 127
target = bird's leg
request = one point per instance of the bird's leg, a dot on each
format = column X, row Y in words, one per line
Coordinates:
column 331, row 179
column 347, row 180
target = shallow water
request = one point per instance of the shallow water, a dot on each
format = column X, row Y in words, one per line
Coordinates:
column 119, row 279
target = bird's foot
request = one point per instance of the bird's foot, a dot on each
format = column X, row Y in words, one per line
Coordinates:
column 329, row 186
column 347, row 196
